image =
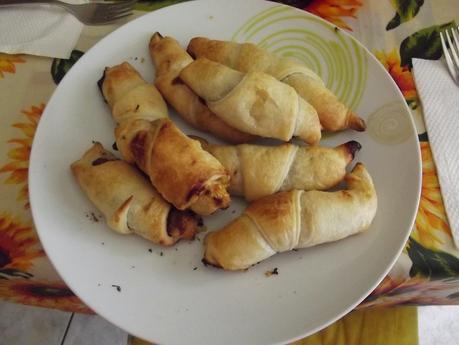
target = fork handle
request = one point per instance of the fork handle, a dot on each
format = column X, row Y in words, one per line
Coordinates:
column 19, row 2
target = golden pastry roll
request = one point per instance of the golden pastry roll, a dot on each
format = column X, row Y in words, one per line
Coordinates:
column 179, row 168
column 247, row 57
column 169, row 59
column 128, row 201
column 258, row 171
column 255, row 102
column 129, row 96
column 293, row 220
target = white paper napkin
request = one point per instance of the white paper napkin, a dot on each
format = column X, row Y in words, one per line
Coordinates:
column 440, row 101
column 38, row 30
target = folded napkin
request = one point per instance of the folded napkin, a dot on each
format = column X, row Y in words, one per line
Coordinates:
column 38, row 30
column 440, row 101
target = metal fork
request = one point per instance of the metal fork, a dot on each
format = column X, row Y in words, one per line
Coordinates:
column 451, row 54
column 91, row 13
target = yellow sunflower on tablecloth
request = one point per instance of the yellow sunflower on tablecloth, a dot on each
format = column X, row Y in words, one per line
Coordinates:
column 19, row 244
column 401, row 74
column 55, row 295
column 334, row 10
column 19, row 155
column 7, row 62
column 432, row 229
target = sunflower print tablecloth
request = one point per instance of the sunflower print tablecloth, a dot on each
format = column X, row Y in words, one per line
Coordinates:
column 427, row 272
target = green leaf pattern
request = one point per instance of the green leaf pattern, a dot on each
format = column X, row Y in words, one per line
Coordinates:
column 431, row 264
column 405, row 11
column 423, row 44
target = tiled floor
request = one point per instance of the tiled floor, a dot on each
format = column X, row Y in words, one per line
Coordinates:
column 437, row 325
column 22, row 325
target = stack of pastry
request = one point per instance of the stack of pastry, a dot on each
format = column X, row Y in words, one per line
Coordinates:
column 237, row 92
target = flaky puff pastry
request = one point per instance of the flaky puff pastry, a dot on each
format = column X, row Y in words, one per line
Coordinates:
column 255, row 102
column 128, row 201
column 293, row 220
column 186, row 175
column 247, row 57
column 129, row 96
column 258, row 171
column 169, row 59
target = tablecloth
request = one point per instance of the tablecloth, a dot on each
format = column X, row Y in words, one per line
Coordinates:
column 427, row 272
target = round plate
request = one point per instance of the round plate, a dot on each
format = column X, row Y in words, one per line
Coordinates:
column 167, row 296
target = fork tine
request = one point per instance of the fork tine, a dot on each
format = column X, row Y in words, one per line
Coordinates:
column 121, row 5
column 449, row 62
column 110, row 18
column 455, row 37
column 114, row 10
column 452, row 49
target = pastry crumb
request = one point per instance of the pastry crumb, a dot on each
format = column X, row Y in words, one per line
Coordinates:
column 211, row 17
column 117, row 287
column 273, row 271
column 142, row 60
column 161, row 254
column 92, row 217
column 150, row 250
column 195, row 268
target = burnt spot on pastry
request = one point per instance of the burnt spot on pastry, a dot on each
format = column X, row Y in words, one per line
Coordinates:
column 137, row 145
column 218, row 201
column 137, row 108
column 102, row 160
column 195, row 190
column 182, row 224
column 353, row 147
column 177, row 81
column 207, row 263
column 100, row 83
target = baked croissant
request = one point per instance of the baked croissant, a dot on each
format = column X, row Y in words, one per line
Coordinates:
column 128, row 201
column 169, row 59
column 255, row 103
column 129, row 96
column 258, row 171
column 186, row 175
column 181, row 171
column 247, row 57
column 290, row 220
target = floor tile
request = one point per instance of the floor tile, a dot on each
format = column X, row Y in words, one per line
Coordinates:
column 93, row 330
column 25, row 325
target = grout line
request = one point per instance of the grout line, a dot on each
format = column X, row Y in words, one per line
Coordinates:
column 67, row 329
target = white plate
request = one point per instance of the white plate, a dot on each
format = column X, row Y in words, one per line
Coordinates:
column 163, row 299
